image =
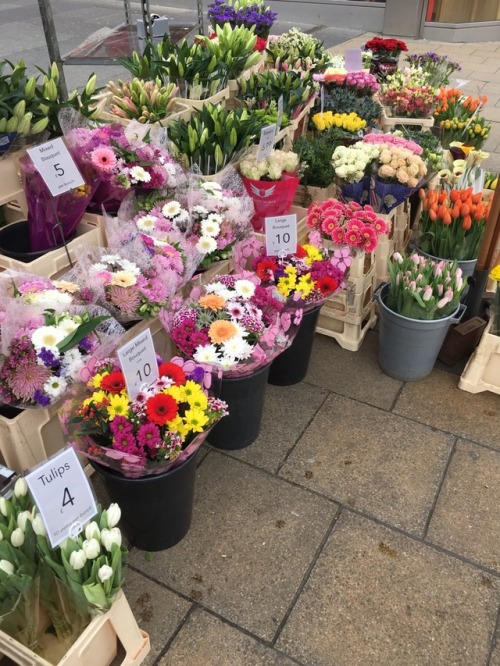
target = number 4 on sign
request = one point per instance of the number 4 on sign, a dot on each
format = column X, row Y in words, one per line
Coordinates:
column 67, row 498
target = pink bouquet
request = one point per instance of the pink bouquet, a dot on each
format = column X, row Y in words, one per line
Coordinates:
column 393, row 140
column 362, row 83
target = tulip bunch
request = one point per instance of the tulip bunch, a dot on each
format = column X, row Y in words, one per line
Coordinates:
column 452, row 224
column 420, row 288
column 144, row 101
column 350, row 122
column 458, row 117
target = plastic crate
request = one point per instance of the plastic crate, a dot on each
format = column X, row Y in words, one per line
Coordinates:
column 354, row 299
column 55, row 262
column 306, row 194
column 482, row 372
column 385, row 248
column 390, row 123
column 348, row 330
column 97, row 645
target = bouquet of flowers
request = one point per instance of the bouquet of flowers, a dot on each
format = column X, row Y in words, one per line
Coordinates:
column 362, row 84
column 452, row 224
column 457, row 115
column 121, row 164
column 233, row 323
column 438, row 68
column 384, row 55
column 243, row 12
column 297, row 50
column 461, row 168
column 42, row 291
column 350, row 123
column 43, row 352
column 271, row 183
column 421, row 288
column 357, row 227
column 144, row 101
column 399, row 174
column 220, row 214
column 395, row 140
column 127, row 281
column 351, row 166
column 408, row 94
column 157, row 430
column 381, row 45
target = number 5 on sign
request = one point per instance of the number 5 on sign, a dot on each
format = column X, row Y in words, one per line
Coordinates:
column 138, row 361
column 281, row 235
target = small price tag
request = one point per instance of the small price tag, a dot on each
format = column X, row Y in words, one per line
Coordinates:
column 63, row 495
column 322, row 98
column 6, row 141
column 138, row 361
column 281, row 235
column 280, row 113
column 266, row 142
column 56, row 166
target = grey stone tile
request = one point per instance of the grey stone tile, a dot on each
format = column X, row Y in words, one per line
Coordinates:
column 377, row 597
column 287, row 412
column 467, row 515
column 372, row 461
column 207, row 641
column 495, row 656
column 437, row 401
column 157, row 611
column 250, row 543
column 353, row 374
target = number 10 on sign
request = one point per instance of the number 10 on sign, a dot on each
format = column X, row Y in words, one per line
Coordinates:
column 281, row 235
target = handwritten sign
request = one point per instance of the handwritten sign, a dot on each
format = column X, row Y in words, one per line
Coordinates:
column 56, row 166
column 138, row 361
column 266, row 143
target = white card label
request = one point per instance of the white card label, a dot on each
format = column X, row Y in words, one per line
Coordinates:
column 281, row 235
column 138, row 361
column 63, row 495
column 322, row 98
column 56, row 166
column 266, row 142
column 280, row 113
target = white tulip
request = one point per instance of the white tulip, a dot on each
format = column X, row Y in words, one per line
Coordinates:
column 17, row 537
column 77, row 559
column 7, row 566
column 105, row 573
column 92, row 530
column 3, row 507
column 114, row 514
column 22, row 519
column 21, row 487
column 91, row 548
column 109, row 537
column 39, row 526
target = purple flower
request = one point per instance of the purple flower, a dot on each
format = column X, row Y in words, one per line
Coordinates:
column 41, row 398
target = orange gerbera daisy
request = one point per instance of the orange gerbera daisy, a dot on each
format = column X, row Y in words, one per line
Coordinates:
column 221, row 330
column 212, row 301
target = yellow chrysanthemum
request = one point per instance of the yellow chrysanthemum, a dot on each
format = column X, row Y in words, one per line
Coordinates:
column 305, row 285
column 98, row 397
column 495, row 273
column 198, row 400
column 118, row 405
column 291, row 271
column 96, row 380
column 192, row 389
column 178, row 426
column 313, row 254
column 196, row 419
column 177, row 392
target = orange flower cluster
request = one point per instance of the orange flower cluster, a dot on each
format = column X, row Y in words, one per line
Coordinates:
column 452, row 100
column 445, row 208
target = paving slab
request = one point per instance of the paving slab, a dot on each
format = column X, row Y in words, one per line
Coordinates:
column 206, row 640
column 375, row 462
column 378, row 597
column 466, row 519
column 437, row 401
column 251, row 541
column 281, row 426
column 353, row 374
column 157, row 611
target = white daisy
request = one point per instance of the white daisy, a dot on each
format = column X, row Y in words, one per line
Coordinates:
column 210, row 228
column 244, row 288
column 146, row 222
column 139, row 175
column 183, row 216
column 227, row 362
column 171, row 209
column 110, row 259
column 55, row 386
column 206, row 244
column 68, row 325
column 130, row 266
column 97, row 268
column 48, row 337
column 200, row 210
column 207, row 354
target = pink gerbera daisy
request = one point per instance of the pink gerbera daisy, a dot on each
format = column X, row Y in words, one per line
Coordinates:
column 369, row 238
column 338, row 236
column 103, row 159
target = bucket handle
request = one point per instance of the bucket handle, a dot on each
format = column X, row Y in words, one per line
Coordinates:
column 461, row 311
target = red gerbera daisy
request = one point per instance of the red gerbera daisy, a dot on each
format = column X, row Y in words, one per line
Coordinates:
column 161, row 408
column 265, row 269
column 173, row 371
column 327, row 285
column 114, row 382
column 301, row 253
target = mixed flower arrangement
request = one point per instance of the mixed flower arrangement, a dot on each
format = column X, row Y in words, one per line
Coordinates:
column 458, row 117
column 43, row 351
column 425, row 144
column 156, row 430
column 452, row 224
column 407, row 93
column 233, row 323
column 421, row 288
column 384, row 46
column 350, row 224
column 42, row 291
column 438, row 68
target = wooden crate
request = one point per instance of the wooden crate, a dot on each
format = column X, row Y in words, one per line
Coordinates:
column 97, row 645
column 390, row 123
column 482, row 372
column 306, row 194
column 348, row 330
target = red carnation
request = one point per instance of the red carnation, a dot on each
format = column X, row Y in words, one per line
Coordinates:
column 114, row 382
column 161, row 408
column 172, row 370
column 327, row 285
column 260, row 44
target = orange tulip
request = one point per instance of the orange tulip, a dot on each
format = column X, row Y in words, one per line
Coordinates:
column 454, row 196
column 466, row 223
column 477, row 198
column 447, row 218
column 455, row 212
column 421, row 194
column 464, row 210
column 432, row 214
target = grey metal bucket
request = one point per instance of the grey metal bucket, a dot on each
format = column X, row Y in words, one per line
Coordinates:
column 408, row 348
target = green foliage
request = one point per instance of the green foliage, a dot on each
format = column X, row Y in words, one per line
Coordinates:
column 316, row 161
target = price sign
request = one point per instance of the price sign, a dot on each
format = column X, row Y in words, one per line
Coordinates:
column 281, row 235
column 63, row 495
column 138, row 361
column 266, row 142
column 280, row 112
column 353, row 62
column 56, row 166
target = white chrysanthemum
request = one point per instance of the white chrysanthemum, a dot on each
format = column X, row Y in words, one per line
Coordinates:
column 68, row 325
column 227, row 362
column 48, row 337
column 221, row 290
column 206, row 354
column 130, row 266
column 200, row 210
column 139, row 175
column 55, row 386
column 206, row 244
column 210, row 227
column 215, row 217
column 111, row 259
column 237, row 347
column 171, row 209
column 48, row 297
column 97, row 268
column 146, row 223
column 244, row 288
